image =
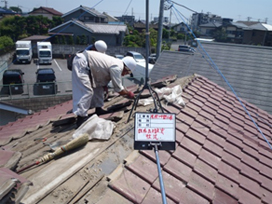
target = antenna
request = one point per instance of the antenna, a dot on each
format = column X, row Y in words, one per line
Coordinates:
column 147, row 85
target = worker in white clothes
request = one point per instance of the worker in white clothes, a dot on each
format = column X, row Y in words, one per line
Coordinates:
column 90, row 76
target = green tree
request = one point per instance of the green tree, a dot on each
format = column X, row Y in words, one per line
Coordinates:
column 16, row 9
column 220, row 35
column 6, row 42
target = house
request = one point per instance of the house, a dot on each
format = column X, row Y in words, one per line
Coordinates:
column 45, row 12
column 88, row 25
column 203, row 18
column 180, row 28
column 240, row 32
column 85, row 14
column 130, row 20
column 258, row 34
column 235, row 32
column 208, row 29
column 219, row 154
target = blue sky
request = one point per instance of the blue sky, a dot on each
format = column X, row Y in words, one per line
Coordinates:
column 235, row 9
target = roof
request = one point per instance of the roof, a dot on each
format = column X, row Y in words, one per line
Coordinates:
column 95, row 27
column 106, row 28
column 219, row 156
column 48, row 10
column 246, row 68
column 211, row 25
column 89, row 10
column 37, row 37
column 261, row 26
column 6, row 11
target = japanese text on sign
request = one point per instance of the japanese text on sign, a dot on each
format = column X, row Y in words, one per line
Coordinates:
column 154, row 127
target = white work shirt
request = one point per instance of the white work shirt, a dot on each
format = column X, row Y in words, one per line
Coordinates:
column 103, row 68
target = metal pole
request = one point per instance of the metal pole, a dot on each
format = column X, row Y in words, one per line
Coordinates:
column 160, row 174
column 147, row 41
column 159, row 39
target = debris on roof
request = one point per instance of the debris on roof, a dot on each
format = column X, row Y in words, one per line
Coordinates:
column 220, row 155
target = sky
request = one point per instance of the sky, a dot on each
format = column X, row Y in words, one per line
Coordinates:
column 236, row 9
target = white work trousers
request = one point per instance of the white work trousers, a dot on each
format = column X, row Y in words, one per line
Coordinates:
column 84, row 96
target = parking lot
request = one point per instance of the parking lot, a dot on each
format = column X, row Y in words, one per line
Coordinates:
column 63, row 80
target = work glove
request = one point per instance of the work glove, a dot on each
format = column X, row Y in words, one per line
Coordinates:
column 131, row 95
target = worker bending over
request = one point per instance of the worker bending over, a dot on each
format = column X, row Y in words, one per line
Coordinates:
column 90, row 76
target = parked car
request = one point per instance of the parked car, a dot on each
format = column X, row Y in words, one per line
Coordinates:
column 45, row 82
column 140, row 70
column 152, row 58
column 136, row 55
column 13, row 82
column 119, row 56
column 185, row 48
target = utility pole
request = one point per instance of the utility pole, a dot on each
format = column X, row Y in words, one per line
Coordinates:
column 159, row 39
column 6, row 4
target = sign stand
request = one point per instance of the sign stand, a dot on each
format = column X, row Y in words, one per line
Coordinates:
column 155, row 145
column 155, row 131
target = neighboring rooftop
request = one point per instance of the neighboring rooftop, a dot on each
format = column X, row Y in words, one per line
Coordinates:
column 220, row 155
column 246, row 68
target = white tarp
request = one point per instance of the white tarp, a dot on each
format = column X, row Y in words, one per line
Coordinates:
column 96, row 128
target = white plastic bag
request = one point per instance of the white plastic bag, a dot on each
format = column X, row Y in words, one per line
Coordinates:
column 175, row 96
column 96, row 128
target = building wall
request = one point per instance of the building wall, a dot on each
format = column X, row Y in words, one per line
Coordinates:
column 253, row 37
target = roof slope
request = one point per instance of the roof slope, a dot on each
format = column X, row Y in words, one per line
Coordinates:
column 95, row 27
column 86, row 9
column 246, row 68
column 219, row 156
column 47, row 9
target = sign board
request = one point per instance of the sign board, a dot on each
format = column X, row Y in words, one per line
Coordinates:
column 155, row 128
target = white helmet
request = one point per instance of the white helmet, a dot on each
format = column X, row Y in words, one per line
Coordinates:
column 130, row 63
column 100, row 46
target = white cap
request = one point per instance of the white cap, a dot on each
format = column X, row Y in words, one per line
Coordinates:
column 100, row 46
column 130, row 63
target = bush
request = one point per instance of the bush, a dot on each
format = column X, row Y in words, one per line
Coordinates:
column 6, row 42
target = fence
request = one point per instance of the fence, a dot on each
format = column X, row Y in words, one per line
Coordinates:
column 26, row 91
column 21, row 91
